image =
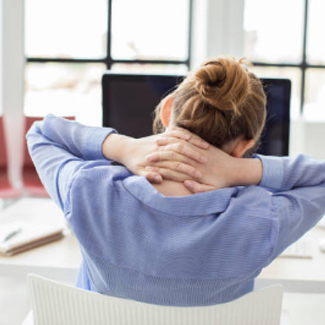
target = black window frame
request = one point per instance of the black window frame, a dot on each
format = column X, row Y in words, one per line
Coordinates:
column 109, row 61
column 303, row 65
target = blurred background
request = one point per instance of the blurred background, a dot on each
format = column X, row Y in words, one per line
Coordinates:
column 54, row 53
column 70, row 43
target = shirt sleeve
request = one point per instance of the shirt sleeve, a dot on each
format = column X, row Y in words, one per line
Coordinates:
column 60, row 148
column 298, row 196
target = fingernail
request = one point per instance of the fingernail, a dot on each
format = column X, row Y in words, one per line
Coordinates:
column 188, row 183
column 197, row 174
column 149, row 158
column 149, row 168
column 203, row 159
column 158, row 179
column 204, row 144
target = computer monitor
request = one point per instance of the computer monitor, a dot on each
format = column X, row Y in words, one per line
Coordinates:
column 130, row 99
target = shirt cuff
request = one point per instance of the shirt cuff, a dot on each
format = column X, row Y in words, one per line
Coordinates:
column 94, row 142
column 273, row 172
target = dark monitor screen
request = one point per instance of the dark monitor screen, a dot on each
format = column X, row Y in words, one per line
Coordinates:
column 129, row 101
column 275, row 136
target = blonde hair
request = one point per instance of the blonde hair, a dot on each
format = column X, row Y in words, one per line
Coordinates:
column 219, row 102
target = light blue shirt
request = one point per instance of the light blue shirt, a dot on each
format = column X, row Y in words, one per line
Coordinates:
column 194, row 250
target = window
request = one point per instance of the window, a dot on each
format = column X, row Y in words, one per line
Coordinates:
column 70, row 44
column 143, row 41
column 283, row 38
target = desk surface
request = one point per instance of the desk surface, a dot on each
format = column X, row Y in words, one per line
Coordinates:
column 65, row 254
column 300, row 268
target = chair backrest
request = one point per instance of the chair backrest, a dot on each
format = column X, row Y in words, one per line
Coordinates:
column 55, row 303
column 3, row 155
column 3, row 151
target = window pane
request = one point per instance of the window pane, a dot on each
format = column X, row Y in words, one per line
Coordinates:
column 316, row 26
column 64, row 89
column 181, row 69
column 315, row 95
column 66, row 29
column 294, row 74
column 152, row 30
column 274, row 30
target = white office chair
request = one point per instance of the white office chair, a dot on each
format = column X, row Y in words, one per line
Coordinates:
column 54, row 303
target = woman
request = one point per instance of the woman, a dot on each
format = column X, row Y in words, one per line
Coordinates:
column 155, row 241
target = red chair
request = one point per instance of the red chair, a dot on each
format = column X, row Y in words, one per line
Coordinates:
column 31, row 182
column 7, row 191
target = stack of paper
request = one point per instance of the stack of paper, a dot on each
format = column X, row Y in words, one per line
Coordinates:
column 20, row 236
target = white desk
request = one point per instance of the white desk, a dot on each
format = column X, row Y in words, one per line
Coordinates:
column 58, row 260
column 61, row 259
column 297, row 274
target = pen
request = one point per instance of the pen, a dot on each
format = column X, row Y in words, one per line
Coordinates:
column 12, row 234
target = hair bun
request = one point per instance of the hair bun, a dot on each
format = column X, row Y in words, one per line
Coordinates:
column 223, row 83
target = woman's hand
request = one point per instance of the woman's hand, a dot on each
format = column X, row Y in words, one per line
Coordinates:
column 216, row 173
column 185, row 150
column 220, row 171
column 180, row 152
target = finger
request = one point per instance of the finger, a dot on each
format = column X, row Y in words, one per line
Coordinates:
column 196, row 187
column 170, row 156
column 151, row 176
column 179, row 167
column 179, row 134
column 184, row 149
column 169, row 174
column 187, row 150
column 170, row 139
column 195, row 141
column 191, row 137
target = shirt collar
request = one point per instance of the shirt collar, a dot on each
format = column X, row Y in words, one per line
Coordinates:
column 191, row 205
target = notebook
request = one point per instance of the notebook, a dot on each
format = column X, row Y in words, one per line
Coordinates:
column 18, row 237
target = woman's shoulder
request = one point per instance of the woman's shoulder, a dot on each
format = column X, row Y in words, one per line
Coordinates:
column 99, row 173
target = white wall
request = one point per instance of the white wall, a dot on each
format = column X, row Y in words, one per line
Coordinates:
column 217, row 29
column 1, row 63
column 314, row 139
column 307, row 137
column 199, row 32
column 12, row 64
column 225, row 28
